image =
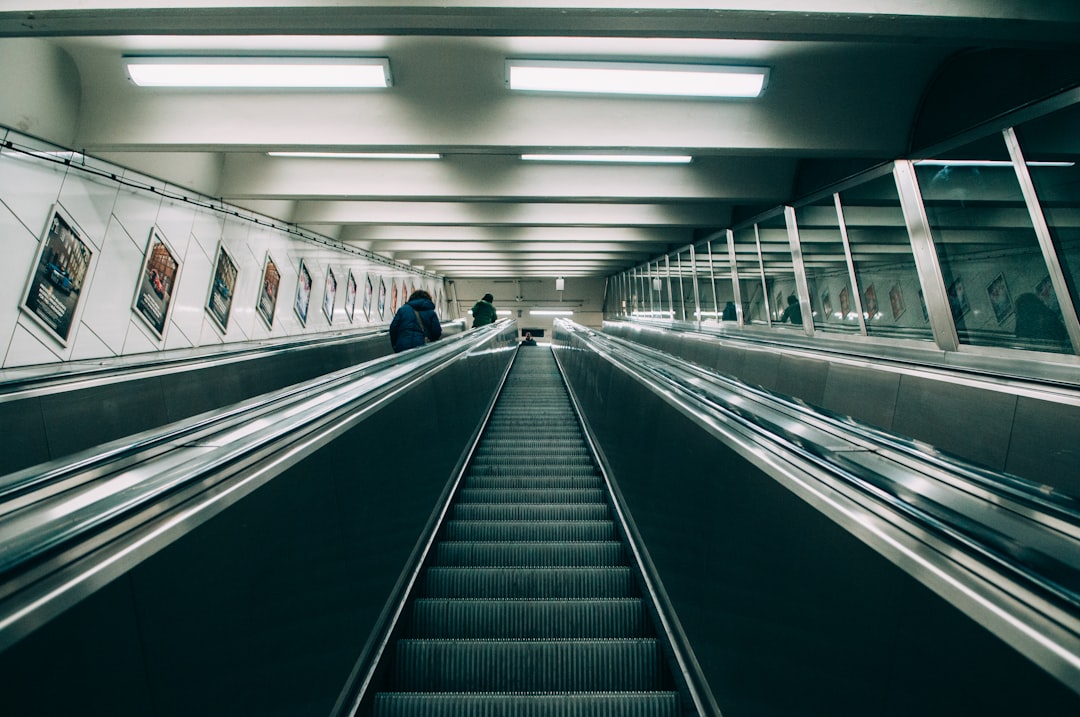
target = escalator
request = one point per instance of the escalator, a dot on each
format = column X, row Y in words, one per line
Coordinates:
column 530, row 605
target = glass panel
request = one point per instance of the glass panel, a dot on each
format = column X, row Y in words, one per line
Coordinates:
column 1051, row 147
column 891, row 297
column 827, row 274
column 783, row 296
column 682, row 286
column 755, row 307
column 989, row 253
column 722, row 281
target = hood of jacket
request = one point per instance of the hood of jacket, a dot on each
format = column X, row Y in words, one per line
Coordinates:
column 422, row 304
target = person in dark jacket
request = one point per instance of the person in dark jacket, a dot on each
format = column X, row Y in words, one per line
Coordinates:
column 415, row 322
column 483, row 311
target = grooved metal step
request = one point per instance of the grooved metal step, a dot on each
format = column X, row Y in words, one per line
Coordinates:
column 593, row 704
column 532, row 530
column 528, row 555
column 551, row 582
column 502, row 618
column 530, row 511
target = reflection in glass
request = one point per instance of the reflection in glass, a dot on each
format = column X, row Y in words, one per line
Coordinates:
column 888, row 293
column 988, row 250
column 1051, row 148
column 781, row 293
column 748, row 264
column 827, row 274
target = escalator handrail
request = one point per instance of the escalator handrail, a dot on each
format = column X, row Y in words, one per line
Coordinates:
column 277, row 422
column 958, row 541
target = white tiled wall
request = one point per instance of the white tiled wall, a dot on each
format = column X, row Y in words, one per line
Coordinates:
column 116, row 221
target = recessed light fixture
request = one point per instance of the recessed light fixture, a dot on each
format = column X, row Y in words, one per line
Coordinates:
column 357, row 155
column 269, row 72
column 985, row 163
column 636, row 78
column 550, row 312
column 625, row 158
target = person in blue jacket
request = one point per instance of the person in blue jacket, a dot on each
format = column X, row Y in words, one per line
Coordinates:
column 415, row 323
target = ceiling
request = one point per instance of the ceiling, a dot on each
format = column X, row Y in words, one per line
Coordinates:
column 846, row 84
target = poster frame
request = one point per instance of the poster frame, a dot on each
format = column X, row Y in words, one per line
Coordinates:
column 268, row 294
column 57, row 214
column 350, row 296
column 369, row 291
column 146, row 278
column 302, row 301
column 382, row 299
column 220, row 287
column 329, row 294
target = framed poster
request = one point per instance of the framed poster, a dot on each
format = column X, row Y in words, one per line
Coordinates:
column 958, row 301
column 329, row 294
column 369, row 289
column 870, row 305
column 382, row 299
column 268, row 291
column 350, row 296
column 1000, row 298
column 1045, row 291
column 219, row 303
column 154, row 292
column 303, row 293
column 393, row 297
column 896, row 300
column 54, row 290
column 826, row 304
column 845, row 303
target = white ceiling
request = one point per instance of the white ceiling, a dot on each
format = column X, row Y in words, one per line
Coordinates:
column 847, row 78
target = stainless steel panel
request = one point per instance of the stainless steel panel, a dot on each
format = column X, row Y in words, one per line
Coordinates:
column 1045, row 444
column 866, row 394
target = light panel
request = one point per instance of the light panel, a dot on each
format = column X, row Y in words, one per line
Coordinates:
column 627, row 158
column 636, row 78
column 358, row 155
column 550, row 312
column 255, row 72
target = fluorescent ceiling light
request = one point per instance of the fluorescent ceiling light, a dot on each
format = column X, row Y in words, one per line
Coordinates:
column 628, row 158
column 550, row 312
column 636, row 78
column 357, row 155
column 279, row 72
column 985, row 163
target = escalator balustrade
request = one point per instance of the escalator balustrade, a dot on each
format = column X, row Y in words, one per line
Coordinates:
column 530, row 607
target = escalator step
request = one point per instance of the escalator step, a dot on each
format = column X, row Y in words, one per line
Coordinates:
column 631, row 664
column 529, row 495
column 526, row 482
column 445, row 618
column 547, row 554
column 594, row 704
column 532, row 511
column 584, row 469
column 536, row 530
column 539, row 583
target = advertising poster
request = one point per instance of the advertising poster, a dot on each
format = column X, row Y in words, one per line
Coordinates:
column 268, row 291
column 329, row 294
column 1000, row 298
column 896, row 300
column 393, row 297
column 219, row 304
column 350, row 296
column 55, row 288
column 382, row 298
column 303, row 293
column 153, row 295
column 369, row 289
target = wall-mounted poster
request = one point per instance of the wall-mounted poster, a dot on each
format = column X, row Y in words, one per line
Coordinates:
column 219, row 303
column 55, row 286
column 329, row 294
column 393, row 296
column 369, row 289
column 1045, row 291
column 896, row 300
column 382, row 299
column 303, row 293
column 870, row 305
column 845, row 303
column 268, row 291
column 153, row 295
column 1000, row 298
column 958, row 301
column 826, row 304
column 350, row 296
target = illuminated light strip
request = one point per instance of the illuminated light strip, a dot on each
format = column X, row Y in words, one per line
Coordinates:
column 636, row 78
column 357, row 155
column 628, row 158
column 985, row 163
column 268, row 72
column 550, row 312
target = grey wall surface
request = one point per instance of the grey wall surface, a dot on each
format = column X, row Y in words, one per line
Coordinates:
column 1029, row 437
column 263, row 609
column 788, row 613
